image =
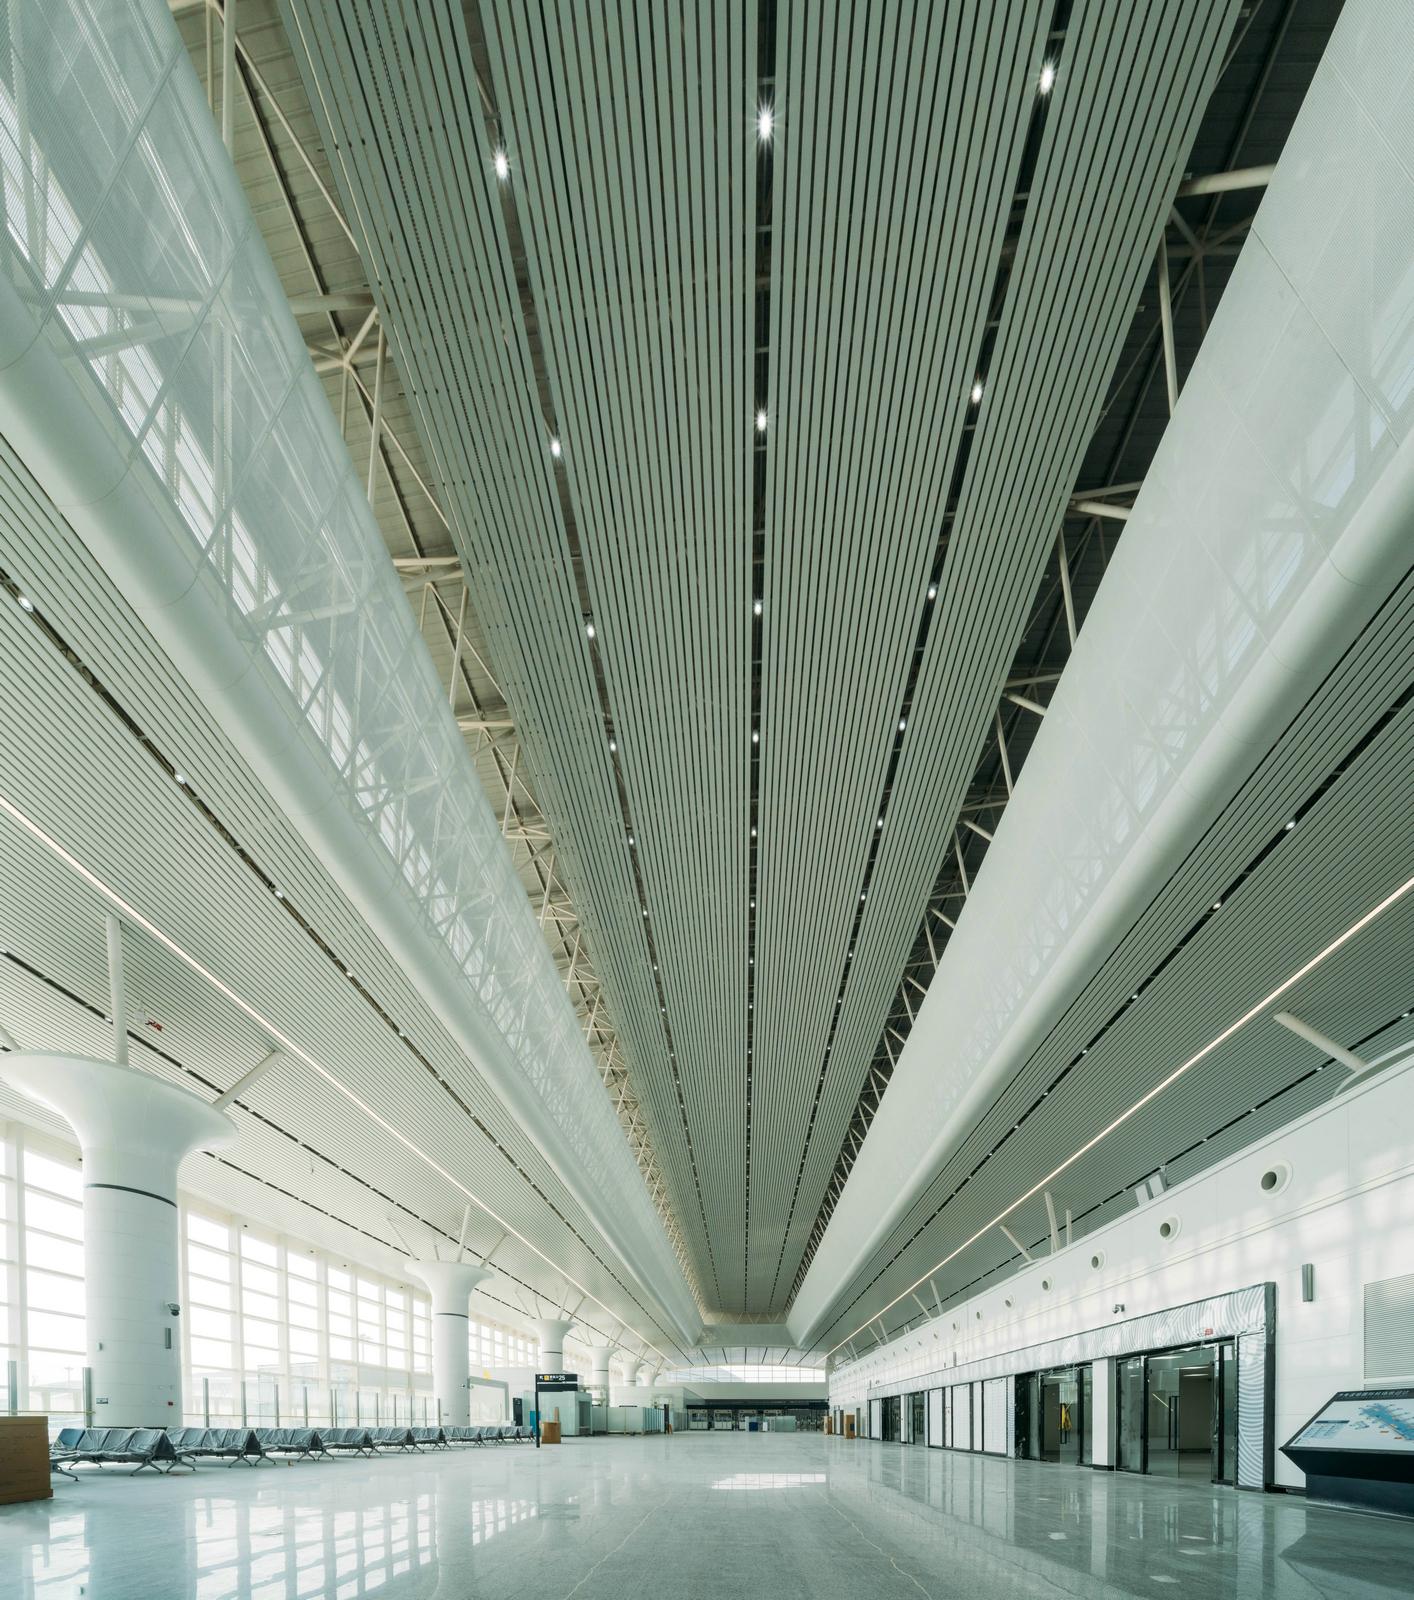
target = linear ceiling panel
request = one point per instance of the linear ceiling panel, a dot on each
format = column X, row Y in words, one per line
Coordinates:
column 1268, row 534
column 106, row 715
column 673, row 361
column 1107, row 155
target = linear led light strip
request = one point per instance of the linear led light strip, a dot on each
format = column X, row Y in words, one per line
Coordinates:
column 284, row 1041
column 1124, row 1116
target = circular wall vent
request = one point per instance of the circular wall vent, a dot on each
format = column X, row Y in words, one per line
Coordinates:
column 1276, row 1177
column 1046, row 1285
column 1007, row 1303
column 1168, row 1228
column 1097, row 1260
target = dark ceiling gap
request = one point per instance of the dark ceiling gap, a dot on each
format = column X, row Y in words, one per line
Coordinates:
column 530, row 322
column 996, row 300
column 762, row 233
column 110, row 701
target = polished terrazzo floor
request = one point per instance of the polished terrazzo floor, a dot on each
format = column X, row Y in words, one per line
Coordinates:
column 692, row 1516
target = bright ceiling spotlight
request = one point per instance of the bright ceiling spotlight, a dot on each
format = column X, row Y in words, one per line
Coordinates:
column 1048, row 78
column 765, row 124
column 756, row 608
column 761, row 421
column 932, row 591
column 755, row 736
column 901, row 724
column 555, row 447
column 589, row 630
column 977, row 392
column 181, row 778
column 502, row 163
column 613, row 748
column 26, row 604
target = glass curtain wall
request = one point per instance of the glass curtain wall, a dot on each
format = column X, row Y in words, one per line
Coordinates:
column 270, row 1326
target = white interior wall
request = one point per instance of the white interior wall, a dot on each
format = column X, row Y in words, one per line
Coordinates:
column 1347, row 1208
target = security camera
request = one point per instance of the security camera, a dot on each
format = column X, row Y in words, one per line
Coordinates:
column 173, row 1308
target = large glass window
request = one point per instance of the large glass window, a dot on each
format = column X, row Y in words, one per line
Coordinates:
column 745, row 1373
column 272, row 1329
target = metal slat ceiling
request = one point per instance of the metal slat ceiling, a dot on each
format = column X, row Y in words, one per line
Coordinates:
column 628, row 330
column 290, row 190
column 1348, row 849
column 1100, row 167
column 152, row 843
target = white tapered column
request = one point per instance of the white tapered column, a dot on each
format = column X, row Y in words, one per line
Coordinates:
column 134, row 1129
column 552, row 1331
column 600, row 1356
column 451, row 1283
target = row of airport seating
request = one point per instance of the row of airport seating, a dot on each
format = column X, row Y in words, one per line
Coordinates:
column 162, row 1449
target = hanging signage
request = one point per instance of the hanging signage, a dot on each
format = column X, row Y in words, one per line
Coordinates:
column 557, row 1380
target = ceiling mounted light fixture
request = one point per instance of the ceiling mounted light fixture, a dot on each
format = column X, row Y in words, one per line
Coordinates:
column 555, row 447
column 977, row 392
column 761, row 420
column 765, row 124
column 1047, row 80
column 502, row 163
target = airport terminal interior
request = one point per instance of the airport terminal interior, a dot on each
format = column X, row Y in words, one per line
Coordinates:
column 706, row 799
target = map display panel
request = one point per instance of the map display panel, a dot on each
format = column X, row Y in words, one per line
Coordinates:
column 1362, row 1421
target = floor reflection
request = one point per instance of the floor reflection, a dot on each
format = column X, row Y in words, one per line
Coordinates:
column 696, row 1516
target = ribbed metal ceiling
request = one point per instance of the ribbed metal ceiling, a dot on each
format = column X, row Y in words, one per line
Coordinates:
column 646, row 279
column 105, row 721
column 1251, row 903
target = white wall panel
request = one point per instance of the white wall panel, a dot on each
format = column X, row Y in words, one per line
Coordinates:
column 1348, row 1209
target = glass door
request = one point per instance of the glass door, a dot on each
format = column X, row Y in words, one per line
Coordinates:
column 1131, row 1414
column 1059, row 1417
column 1183, row 1399
column 1087, row 1439
column 919, row 1404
